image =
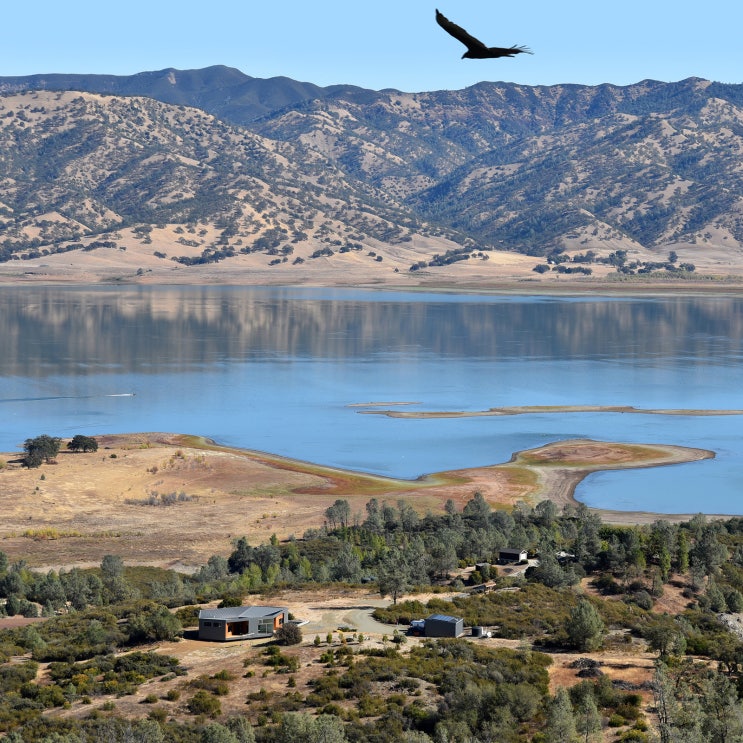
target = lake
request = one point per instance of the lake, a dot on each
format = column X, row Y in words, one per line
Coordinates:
column 289, row 371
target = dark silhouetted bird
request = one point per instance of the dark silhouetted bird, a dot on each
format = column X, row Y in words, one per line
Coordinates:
column 475, row 48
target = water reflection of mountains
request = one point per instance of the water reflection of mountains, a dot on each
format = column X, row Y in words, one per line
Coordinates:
column 53, row 331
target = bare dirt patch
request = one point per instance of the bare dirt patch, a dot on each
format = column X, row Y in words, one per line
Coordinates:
column 672, row 602
column 634, row 667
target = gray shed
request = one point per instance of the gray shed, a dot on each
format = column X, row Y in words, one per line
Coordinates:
column 241, row 622
column 442, row 625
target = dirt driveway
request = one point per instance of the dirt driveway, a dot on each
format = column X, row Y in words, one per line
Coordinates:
column 328, row 616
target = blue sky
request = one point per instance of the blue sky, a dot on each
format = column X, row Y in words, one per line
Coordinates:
column 384, row 44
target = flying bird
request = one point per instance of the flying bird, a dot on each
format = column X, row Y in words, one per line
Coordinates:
column 475, row 48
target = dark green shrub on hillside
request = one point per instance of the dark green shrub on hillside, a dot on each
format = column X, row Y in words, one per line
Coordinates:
column 288, row 634
column 204, row 703
column 12, row 678
column 153, row 623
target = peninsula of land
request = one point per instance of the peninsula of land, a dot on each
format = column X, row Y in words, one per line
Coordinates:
column 174, row 500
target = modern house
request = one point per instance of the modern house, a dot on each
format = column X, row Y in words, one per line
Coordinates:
column 512, row 555
column 241, row 622
column 442, row 625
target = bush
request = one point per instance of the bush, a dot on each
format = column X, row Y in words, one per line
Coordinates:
column 230, row 600
column 158, row 714
column 153, row 622
column 642, row 599
column 634, row 736
column 27, row 609
column 288, row 634
column 204, row 703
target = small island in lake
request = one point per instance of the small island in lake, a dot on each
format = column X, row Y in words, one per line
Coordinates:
column 537, row 409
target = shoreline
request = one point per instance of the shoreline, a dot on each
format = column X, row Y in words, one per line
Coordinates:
column 557, row 483
column 88, row 505
column 719, row 270
column 562, row 482
column 450, row 284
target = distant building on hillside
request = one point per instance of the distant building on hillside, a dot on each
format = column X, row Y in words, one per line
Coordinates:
column 512, row 555
column 241, row 622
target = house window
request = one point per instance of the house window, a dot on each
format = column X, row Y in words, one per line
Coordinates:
column 207, row 624
column 265, row 628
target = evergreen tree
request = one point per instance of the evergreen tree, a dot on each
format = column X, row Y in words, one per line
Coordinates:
column 588, row 719
column 715, row 597
column 241, row 729
column 241, row 556
column 560, row 721
column 346, row 566
column 585, row 627
column 216, row 733
column 373, row 521
column 723, row 715
column 112, row 575
column 393, row 575
column 683, row 551
column 477, row 511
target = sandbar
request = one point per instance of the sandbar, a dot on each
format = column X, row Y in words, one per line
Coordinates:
column 541, row 409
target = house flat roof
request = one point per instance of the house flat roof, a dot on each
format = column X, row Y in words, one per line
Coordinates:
column 242, row 612
column 445, row 618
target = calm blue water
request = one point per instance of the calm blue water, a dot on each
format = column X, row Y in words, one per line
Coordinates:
column 279, row 370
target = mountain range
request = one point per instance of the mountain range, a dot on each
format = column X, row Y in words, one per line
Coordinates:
column 213, row 164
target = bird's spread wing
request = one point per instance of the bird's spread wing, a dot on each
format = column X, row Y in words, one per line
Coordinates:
column 458, row 32
column 509, row 51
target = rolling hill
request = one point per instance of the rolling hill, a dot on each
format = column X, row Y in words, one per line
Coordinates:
column 205, row 167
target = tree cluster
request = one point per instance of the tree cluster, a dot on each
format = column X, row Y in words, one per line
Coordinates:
column 45, row 448
column 41, row 449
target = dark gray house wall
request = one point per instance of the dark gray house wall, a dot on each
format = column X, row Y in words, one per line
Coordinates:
column 442, row 625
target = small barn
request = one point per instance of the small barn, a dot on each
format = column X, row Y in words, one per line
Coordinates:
column 512, row 555
column 241, row 622
column 442, row 625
